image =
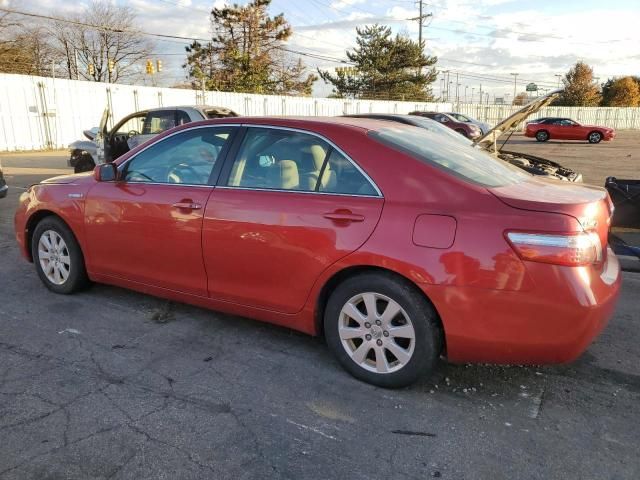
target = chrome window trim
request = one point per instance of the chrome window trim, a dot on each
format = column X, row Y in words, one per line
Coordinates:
column 333, row 145
column 282, row 190
column 122, row 165
column 274, row 127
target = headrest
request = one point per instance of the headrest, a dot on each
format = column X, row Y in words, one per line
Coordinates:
column 289, row 178
column 318, row 153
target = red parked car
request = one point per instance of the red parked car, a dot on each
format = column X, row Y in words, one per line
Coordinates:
column 465, row 129
column 396, row 243
column 567, row 129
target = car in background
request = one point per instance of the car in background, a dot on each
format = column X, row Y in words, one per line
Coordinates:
column 416, row 121
column 567, row 129
column 133, row 130
column 3, row 184
column 534, row 165
column 396, row 243
column 483, row 126
column 468, row 130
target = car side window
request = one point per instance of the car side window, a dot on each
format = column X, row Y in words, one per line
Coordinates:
column 159, row 121
column 182, row 117
column 187, row 157
column 278, row 159
column 340, row 175
column 441, row 119
column 285, row 160
column 134, row 124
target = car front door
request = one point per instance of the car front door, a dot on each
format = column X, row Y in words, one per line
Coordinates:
column 288, row 205
column 146, row 227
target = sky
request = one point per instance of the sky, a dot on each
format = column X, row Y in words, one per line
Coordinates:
column 483, row 41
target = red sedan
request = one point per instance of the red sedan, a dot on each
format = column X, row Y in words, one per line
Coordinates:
column 395, row 242
column 567, row 129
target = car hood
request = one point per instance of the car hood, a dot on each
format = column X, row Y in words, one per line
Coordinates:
column 66, row 179
column 488, row 140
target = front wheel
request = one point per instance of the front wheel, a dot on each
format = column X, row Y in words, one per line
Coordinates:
column 57, row 257
column 595, row 137
column 84, row 164
column 542, row 136
column 462, row 132
column 382, row 330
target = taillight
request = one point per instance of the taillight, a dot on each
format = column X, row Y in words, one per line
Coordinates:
column 573, row 250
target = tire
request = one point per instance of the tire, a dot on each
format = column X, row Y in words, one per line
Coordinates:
column 364, row 347
column 595, row 137
column 68, row 275
column 84, row 164
column 462, row 132
column 542, row 136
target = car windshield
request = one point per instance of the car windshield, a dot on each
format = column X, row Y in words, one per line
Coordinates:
column 471, row 164
column 460, row 117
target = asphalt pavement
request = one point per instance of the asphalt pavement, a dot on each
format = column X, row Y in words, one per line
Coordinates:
column 114, row 384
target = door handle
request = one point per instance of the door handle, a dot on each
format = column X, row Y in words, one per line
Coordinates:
column 187, row 205
column 343, row 216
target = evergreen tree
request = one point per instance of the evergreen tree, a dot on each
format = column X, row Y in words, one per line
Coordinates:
column 386, row 67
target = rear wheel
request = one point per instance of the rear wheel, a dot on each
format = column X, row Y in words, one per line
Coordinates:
column 382, row 330
column 57, row 256
column 595, row 137
column 542, row 136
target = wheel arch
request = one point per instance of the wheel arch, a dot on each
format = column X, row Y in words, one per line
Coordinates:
column 341, row 275
column 33, row 221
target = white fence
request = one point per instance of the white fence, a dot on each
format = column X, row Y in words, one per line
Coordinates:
column 40, row 113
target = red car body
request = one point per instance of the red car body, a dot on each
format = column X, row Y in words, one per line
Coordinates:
column 567, row 129
column 277, row 255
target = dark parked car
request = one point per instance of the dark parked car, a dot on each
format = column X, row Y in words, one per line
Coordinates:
column 483, row 126
column 133, row 130
column 469, row 130
column 625, row 222
column 3, row 185
column 416, row 121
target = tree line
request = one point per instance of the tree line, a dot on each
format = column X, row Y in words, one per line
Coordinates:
column 248, row 52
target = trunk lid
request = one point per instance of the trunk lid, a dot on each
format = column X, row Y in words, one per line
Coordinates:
column 590, row 205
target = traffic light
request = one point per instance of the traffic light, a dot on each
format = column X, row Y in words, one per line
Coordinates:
column 158, row 66
column 91, row 69
column 112, row 65
column 149, row 67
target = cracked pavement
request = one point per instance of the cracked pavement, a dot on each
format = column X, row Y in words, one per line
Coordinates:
column 112, row 384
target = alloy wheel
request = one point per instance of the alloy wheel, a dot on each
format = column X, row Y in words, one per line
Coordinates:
column 376, row 332
column 54, row 257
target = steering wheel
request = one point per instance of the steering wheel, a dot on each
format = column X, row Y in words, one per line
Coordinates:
column 132, row 133
column 135, row 173
column 178, row 172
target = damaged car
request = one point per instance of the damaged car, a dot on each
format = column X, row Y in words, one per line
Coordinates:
column 103, row 145
column 530, row 163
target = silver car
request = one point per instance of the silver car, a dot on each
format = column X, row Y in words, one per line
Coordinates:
column 105, row 145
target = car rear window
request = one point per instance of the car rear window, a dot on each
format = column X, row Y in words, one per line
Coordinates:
column 467, row 162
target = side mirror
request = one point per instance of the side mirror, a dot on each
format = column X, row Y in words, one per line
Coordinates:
column 105, row 172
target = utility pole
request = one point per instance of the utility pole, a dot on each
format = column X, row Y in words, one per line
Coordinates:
column 465, row 93
column 457, row 90
column 515, row 84
column 473, row 89
column 480, row 94
column 420, row 18
column 559, row 75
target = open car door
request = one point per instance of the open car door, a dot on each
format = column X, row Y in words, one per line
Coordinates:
column 102, row 146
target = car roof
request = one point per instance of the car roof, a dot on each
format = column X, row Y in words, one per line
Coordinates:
column 360, row 123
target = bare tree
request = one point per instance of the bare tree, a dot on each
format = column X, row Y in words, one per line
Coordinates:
column 102, row 44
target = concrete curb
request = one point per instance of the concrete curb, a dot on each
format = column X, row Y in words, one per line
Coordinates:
column 629, row 263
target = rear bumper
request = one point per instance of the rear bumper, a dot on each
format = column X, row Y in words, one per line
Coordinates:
column 553, row 323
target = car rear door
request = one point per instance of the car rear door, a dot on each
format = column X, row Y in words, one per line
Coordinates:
column 147, row 226
column 289, row 204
